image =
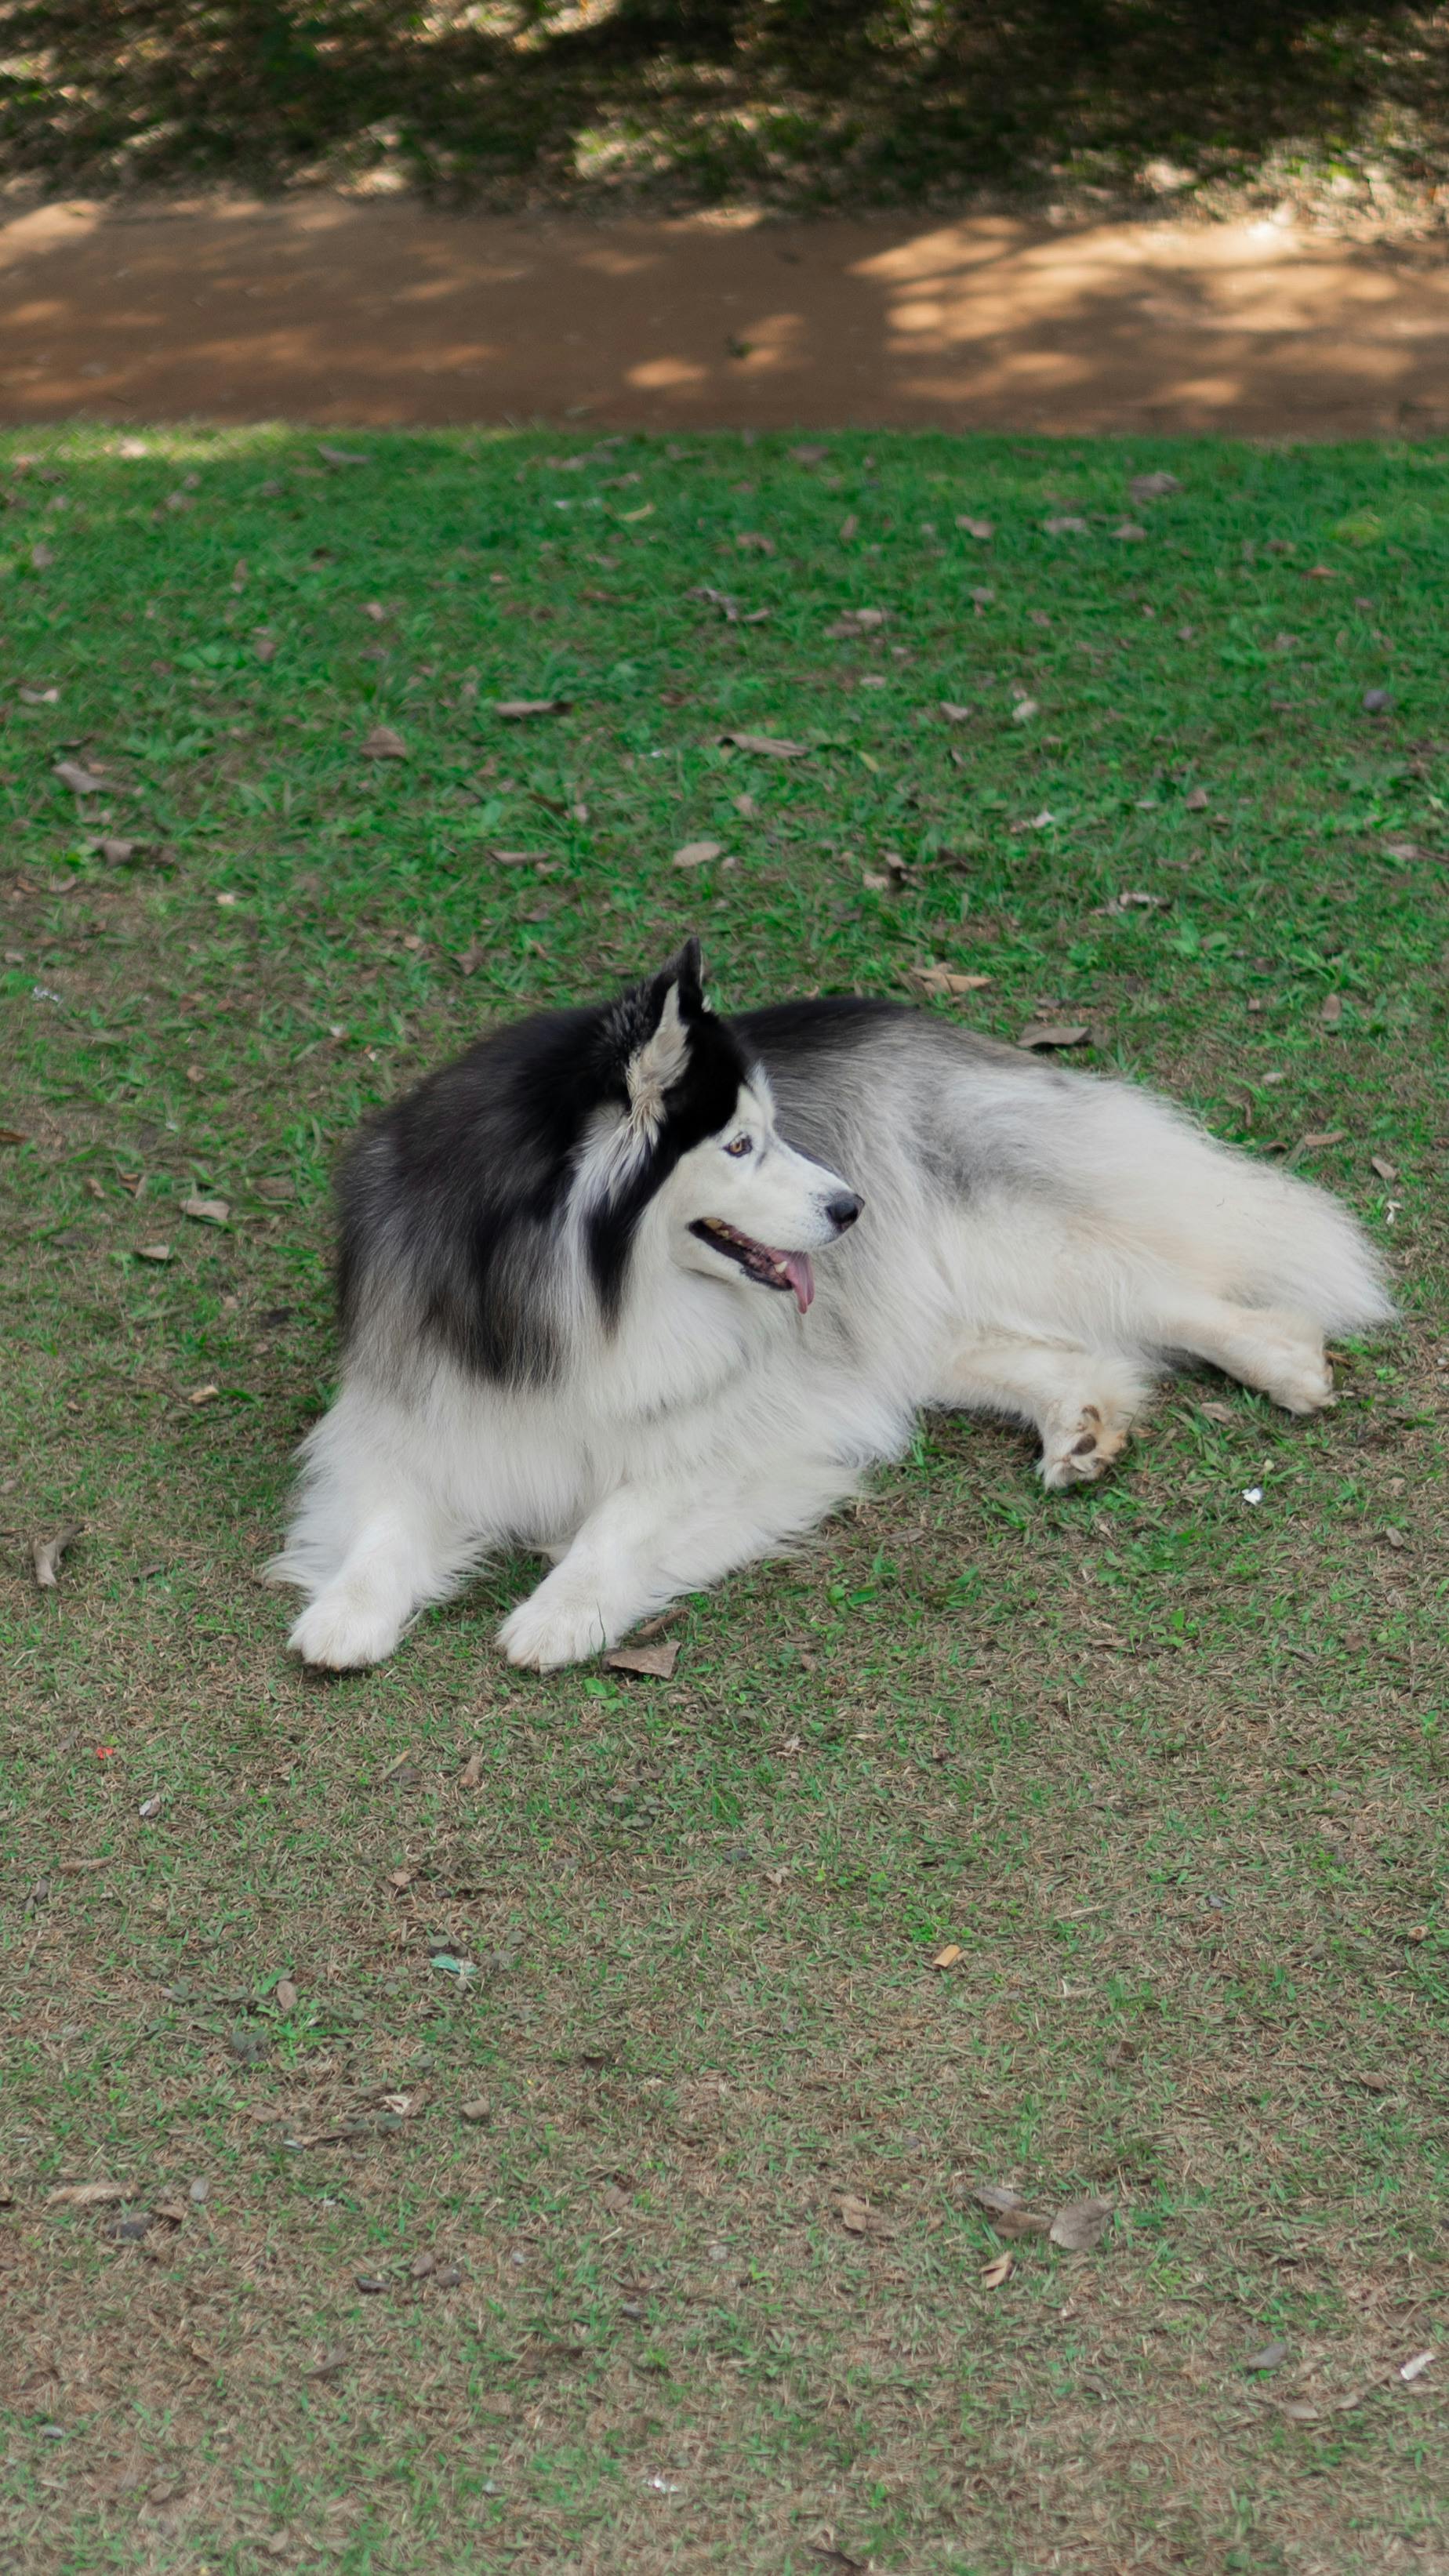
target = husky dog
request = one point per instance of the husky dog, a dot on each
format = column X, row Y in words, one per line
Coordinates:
column 580, row 1308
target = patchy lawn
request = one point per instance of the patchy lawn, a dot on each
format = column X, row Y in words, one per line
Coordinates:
column 559, row 2146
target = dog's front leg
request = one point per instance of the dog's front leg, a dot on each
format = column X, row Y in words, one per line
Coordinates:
column 613, row 1574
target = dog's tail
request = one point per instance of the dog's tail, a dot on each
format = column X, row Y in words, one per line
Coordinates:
column 1292, row 1245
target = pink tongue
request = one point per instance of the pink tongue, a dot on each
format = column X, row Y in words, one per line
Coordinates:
column 796, row 1266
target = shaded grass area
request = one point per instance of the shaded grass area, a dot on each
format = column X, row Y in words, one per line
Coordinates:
column 1164, row 1763
column 707, row 99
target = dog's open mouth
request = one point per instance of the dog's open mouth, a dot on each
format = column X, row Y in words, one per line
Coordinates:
column 758, row 1260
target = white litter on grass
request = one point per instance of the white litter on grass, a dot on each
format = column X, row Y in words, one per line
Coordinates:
column 663, row 2486
column 1416, row 2368
column 1252, row 1493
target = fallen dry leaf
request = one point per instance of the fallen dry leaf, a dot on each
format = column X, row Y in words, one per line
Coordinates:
column 1332, row 1010
column 656, row 1661
column 767, row 746
column 857, row 621
column 857, row 2216
column 341, row 456
column 1081, row 2224
column 980, row 529
column 948, row 1957
column 284, row 1995
column 729, row 608
column 1153, row 487
column 519, row 858
column 1218, row 1412
column 374, row 609
column 207, row 1211
column 696, row 854
column 40, row 697
column 153, row 1252
column 751, row 542
column 942, row 983
column 1024, row 710
column 1320, row 1137
column 1406, row 850
column 479, row 2109
column 1066, row 527
column 333, row 2360
column 264, row 646
column 848, row 528
column 953, row 711
column 383, row 744
column 82, row 782
column 85, row 2195
column 1385, row 1171
column 1196, row 800
column 1009, row 2213
column 46, row 1553
column 1128, row 532
column 42, row 557
column 520, row 710
column 809, row 455
column 1269, row 2358
column 999, row 2269
column 471, row 1774
column 1053, row 1033
column 206, row 1394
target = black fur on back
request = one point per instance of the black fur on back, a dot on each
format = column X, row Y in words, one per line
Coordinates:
column 451, row 1200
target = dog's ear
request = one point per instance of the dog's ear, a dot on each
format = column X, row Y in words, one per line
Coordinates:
column 654, row 1026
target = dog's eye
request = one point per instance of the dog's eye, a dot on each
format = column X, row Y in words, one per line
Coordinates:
column 739, row 1146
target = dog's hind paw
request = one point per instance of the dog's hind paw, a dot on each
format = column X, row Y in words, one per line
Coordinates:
column 1082, row 1450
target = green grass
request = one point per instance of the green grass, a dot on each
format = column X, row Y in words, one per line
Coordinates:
column 1167, row 1765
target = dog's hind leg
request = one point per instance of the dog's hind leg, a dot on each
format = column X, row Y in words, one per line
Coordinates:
column 1277, row 1349
column 1081, row 1401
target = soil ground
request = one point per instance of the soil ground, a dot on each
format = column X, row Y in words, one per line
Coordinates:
column 328, row 309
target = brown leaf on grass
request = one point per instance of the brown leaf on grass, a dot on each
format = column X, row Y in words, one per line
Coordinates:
column 1320, row 1137
column 750, row 541
column 1332, row 1010
column 374, row 609
column 1153, row 487
column 857, row 621
column 1081, row 2224
column 284, row 1995
column 342, row 456
column 333, row 2360
column 858, row 2217
column 40, row 697
column 1385, row 1171
column 206, row 1394
column 948, row 1957
column 42, row 557
column 521, row 710
column 207, row 1211
column 476, row 2111
column 1009, row 2213
column 697, row 854
column 999, row 2269
column 1053, row 1033
column 383, row 744
column 809, row 455
column 83, row 782
column 980, row 529
column 767, row 746
column 1128, row 533
column 1268, row 2359
column 942, row 983
column 1195, row 800
column 729, row 608
column 153, row 1252
column 86, row 2195
column 470, row 1775
column 519, row 858
column 264, row 646
column 953, row 712
column 849, row 527
column 46, row 1553
column 1065, row 527
column 1406, row 850
column 657, row 1661
column 1217, row 1412
column 1320, row 572
column 1024, row 710
column 13, row 1136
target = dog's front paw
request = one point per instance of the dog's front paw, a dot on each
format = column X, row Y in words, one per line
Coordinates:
column 562, row 1622
column 341, row 1631
column 1082, row 1450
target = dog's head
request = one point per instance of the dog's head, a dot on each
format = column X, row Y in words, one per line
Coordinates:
column 687, row 1131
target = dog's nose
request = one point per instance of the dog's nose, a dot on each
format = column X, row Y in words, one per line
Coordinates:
column 844, row 1210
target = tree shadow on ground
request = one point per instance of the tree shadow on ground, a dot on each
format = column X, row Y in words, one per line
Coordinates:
column 700, row 99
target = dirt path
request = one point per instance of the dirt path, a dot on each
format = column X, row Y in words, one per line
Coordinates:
column 320, row 308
